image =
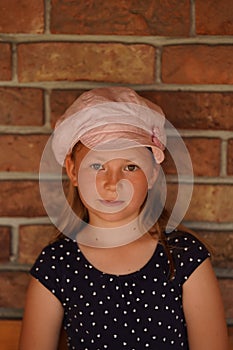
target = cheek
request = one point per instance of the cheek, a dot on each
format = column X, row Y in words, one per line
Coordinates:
column 140, row 188
column 86, row 183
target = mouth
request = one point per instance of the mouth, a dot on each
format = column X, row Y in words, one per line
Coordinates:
column 111, row 203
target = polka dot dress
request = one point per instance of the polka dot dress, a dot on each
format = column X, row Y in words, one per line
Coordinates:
column 136, row 311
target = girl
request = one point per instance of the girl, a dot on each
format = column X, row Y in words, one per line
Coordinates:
column 114, row 278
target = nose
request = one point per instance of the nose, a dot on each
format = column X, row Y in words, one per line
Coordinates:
column 112, row 179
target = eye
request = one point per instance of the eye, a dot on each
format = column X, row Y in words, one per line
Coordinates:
column 131, row 167
column 96, row 166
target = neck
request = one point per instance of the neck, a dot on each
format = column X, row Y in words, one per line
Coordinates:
column 110, row 237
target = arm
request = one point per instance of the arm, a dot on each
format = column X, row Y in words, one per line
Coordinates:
column 204, row 310
column 42, row 319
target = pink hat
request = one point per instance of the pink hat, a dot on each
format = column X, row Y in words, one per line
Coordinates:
column 103, row 115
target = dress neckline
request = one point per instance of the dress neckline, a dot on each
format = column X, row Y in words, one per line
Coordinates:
column 158, row 249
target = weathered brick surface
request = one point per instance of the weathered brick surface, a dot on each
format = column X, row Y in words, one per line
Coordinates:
column 226, row 286
column 204, row 153
column 32, row 239
column 197, row 64
column 4, row 243
column 222, row 245
column 22, row 16
column 22, row 152
column 211, row 203
column 185, row 110
column 21, row 106
column 230, row 157
column 77, row 61
column 5, row 62
column 121, row 17
column 20, row 198
column 195, row 110
column 214, row 17
column 23, row 198
column 60, row 100
column 13, row 287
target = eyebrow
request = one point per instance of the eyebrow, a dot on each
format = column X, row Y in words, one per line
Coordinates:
column 104, row 160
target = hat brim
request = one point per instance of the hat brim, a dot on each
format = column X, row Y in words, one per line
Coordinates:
column 120, row 140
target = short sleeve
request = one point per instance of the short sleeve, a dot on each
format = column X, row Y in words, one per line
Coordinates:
column 188, row 253
column 47, row 270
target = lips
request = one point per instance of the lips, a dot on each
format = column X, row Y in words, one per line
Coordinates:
column 111, row 203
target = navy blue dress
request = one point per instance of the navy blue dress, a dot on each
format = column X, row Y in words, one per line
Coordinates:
column 140, row 310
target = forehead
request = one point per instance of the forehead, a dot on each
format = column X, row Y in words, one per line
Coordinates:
column 140, row 153
column 140, row 156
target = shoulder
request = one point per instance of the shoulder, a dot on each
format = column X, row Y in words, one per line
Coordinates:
column 50, row 266
column 185, row 241
column 59, row 247
column 54, row 256
column 188, row 252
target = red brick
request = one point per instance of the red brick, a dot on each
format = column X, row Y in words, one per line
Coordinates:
column 195, row 110
column 13, row 286
column 121, row 17
column 21, row 16
column 209, row 203
column 5, row 62
column 226, row 286
column 185, row 110
column 212, row 203
column 214, row 17
column 197, row 64
column 4, row 243
column 230, row 157
column 60, row 100
column 21, row 106
column 23, row 198
column 78, row 61
column 204, row 153
column 222, row 244
column 20, row 198
column 25, row 152
column 32, row 239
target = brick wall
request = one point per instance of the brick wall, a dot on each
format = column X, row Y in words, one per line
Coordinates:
column 178, row 54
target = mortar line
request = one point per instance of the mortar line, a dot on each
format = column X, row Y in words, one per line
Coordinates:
column 24, row 221
column 11, row 313
column 14, row 243
column 192, row 18
column 158, row 65
column 15, row 267
column 47, row 114
column 27, row 130
column 14, row 63
column 71, row 85
column 209, row 226
column 223, row 159
column 222, row 134
column 125, row 39
column 47, row 10
column 223, row 273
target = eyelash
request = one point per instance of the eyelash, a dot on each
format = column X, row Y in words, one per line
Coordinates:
column 98, row 167
column 95, row 165
column 135, row 167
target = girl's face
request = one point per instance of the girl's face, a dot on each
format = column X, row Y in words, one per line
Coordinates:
column 112, row 185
